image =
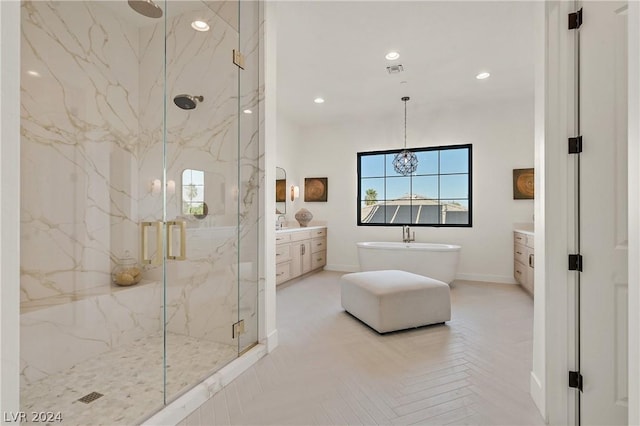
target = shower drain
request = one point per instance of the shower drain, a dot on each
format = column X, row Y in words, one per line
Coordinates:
column 90, row 397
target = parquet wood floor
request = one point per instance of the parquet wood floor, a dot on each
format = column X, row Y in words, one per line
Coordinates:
column 331, row 369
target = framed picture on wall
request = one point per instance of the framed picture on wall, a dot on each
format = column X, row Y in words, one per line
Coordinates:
column 523, row 184
column 315, row 189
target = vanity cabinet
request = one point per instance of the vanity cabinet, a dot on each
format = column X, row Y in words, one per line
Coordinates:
column 523, row 259
column 299, row 251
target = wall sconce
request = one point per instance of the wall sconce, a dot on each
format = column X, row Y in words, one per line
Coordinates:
column 295, row 192
column 156, row 187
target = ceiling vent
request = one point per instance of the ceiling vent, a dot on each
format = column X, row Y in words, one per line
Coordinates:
column 395, row 69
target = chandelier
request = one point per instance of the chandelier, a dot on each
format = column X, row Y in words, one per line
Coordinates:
column 405, row 162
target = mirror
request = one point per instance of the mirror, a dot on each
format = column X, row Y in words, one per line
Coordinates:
column 203, row 193
column 281, row 191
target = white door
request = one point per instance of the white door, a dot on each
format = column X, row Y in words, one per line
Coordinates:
column 603, row 103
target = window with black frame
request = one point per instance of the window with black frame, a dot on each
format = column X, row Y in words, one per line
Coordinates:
column 438, row 193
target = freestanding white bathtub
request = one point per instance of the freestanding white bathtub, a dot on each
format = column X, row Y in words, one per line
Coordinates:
column 437, row 261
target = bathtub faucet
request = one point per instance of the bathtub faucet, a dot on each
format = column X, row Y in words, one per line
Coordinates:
column 406, row 234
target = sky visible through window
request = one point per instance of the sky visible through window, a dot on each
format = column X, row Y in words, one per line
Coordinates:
column 441, row 174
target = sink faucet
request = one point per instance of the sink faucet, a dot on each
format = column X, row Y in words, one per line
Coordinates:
column 406, row 234
column 279, row 222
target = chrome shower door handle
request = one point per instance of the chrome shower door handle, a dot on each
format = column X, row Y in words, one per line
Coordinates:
column 144, row 249
column 183, row 240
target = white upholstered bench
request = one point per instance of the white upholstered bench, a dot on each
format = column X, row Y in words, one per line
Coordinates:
column 395, row 300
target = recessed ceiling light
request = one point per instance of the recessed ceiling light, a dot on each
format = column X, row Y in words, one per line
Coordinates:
column 392, row 56
column 483, row 75
column 248, row 111
column 318, row 100
column 33, row 73
column 200, row 26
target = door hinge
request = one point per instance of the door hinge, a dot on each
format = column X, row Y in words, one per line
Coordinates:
column 575, row 262
column 575, row 380
column 575, row 145
column 238, row 59
column 237, row 329
column 575, row 19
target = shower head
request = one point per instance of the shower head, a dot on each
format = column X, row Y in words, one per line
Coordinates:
column 187, row 101
column 146, row 7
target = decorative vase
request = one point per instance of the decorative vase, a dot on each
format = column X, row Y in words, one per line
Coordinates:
column 127, row 271
column 303, row 216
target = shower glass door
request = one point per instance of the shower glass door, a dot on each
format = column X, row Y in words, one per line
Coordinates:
column 212, row 158
column 139, row 201
column 201, row 154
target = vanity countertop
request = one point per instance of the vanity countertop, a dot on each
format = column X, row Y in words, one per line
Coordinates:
column 299, row 228
column 525, row 228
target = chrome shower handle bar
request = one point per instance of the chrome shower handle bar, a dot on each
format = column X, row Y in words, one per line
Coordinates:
column 144, row 250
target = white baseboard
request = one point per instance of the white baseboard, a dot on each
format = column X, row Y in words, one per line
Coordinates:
column 486, row 278
column 537, row 394
column 342, row 268
column 272, row 341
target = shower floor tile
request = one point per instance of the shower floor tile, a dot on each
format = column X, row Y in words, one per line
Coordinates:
column 129, row 378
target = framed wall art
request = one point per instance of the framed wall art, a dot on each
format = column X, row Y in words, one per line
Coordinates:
column 315, row 189
column 523, row 184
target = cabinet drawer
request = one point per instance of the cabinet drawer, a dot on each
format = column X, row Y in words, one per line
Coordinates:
column 283, row 272
column 520, row 254
column 282, row 238
column 519, row 272
column 318, row 259
column 300, row 235
column 318, row 244
column 519, row 238
column 319, row 232
column 283, row 253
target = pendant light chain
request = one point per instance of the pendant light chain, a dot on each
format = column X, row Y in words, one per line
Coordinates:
column 405, row 122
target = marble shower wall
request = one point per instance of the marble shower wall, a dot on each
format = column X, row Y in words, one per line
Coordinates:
column 79, row 117
column 202, row 291
column 92, row 127
column 203, row 299
column 79, row 185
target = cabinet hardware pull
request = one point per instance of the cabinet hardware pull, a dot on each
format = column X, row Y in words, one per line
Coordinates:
column 518, row 252
column 531, row 260
column 281, row 273
column 302, row 249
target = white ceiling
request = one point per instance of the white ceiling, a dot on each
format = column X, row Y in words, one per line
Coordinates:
column 336, row 50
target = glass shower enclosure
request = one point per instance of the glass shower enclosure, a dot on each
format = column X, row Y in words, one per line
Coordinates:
column 139, row 201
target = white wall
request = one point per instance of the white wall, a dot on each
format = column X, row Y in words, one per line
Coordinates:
column 289, row 148
column 537, row 380
column 267, row 305
column 502, row 138
column 634, row 211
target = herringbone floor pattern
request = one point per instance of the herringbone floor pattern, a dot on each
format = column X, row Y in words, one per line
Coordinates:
column 330, row 369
